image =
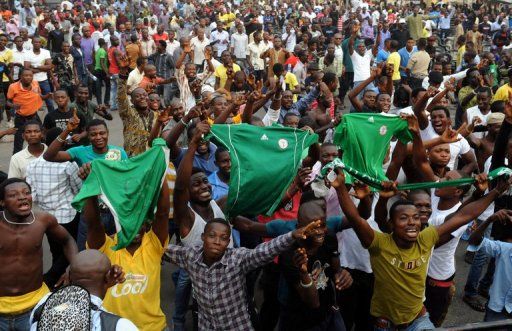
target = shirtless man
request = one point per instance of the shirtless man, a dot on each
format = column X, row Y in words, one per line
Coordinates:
column 21, row 252
column 484, row 146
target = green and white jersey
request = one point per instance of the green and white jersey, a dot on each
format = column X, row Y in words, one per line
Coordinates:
column 364, row 139
column 264, row 162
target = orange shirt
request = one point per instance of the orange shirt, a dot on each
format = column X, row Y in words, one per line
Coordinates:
column 30, row 100
column 6, row 15
column 157, row 37
column 149, row 84
column 133, row 52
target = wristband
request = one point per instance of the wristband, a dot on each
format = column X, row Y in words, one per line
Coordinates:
column 59, row 139
column 308, row 285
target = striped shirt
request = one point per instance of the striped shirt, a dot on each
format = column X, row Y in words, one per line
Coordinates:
column 220, row 289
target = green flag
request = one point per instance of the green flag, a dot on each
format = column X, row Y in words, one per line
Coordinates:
column 376, row 183
column 264, row 162
column 130, row 188
column 364, row 139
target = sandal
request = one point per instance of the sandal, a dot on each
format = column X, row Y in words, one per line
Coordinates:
column 474, row 303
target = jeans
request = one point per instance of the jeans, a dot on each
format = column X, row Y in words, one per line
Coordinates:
column 19, row 123
column 15, row 323
column 492, row 316
column 421, row 323
column 270, row 308
column 113, row 91
column 437, row 300
column 102, row 78
column 59, row 260
column 444, row 33
column 355, row 301
column 346, row 83
column 183, row 288
column 479, row 261
column 108, row 223
column 45, row 89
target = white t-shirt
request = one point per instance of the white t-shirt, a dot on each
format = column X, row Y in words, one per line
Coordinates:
column 193, row 238
column 352, row 254
column 473, row 112
column 198, row 47
column 456, row 149
column 37, row 60
column 442, row 262
column 221, row 39
column 361, row 65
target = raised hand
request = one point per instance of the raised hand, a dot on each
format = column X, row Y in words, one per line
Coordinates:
column 450, row 135
column 308, row 230
column 361, row 190
column 115, row 275
column 202, row 128
column 207, row 54
column 163, row 117
column 300, row 260
column 73, row 122
column 388, row 189
column 412, row 123
column 503, row 216
column 508, row 107
column 471, row 127
column 481, row 182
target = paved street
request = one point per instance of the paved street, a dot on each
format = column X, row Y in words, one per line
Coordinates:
column 459, row 313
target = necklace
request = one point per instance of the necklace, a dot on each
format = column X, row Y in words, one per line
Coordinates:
column 14, row 223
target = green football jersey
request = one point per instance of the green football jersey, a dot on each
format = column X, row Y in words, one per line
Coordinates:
column 364, row 139
column 264, row 162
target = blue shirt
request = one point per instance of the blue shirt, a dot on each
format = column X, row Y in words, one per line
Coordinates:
column 383, row 36
column 85, row 154
column 205, row 164
column 219, row 188
column 276, row 228
column 404, row 58
column 382, row 56
column 500, row 294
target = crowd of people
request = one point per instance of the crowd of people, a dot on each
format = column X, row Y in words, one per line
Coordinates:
column 415, row 99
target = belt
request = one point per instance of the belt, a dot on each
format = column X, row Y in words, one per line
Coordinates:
column 384, row 323
column 24, row 311
column 439, row 283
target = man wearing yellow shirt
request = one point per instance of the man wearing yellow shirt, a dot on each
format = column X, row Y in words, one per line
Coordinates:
column 6, row 56
column 394, row 60
column 502, row 94
column 138, row 298
column 227, row 17
column 227, row 67
column 400, row 259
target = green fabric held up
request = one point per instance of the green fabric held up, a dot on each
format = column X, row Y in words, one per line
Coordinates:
column 130, row 188
column 376, row 183
column 264, row 162
column 364, row 139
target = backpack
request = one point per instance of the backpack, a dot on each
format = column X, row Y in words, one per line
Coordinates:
column 69, row 309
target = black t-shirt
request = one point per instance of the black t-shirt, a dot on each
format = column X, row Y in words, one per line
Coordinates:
column 60, row 120
column 56, row 38
column 299, row 315
column 401, row 36
column 485, row 28
column 329, row 32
